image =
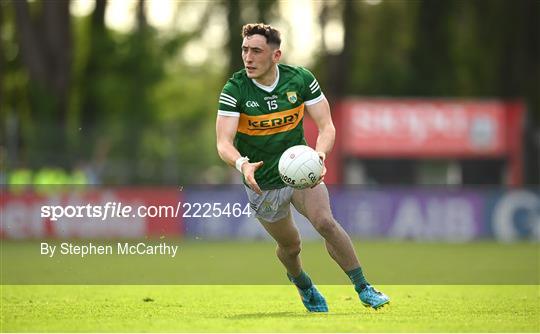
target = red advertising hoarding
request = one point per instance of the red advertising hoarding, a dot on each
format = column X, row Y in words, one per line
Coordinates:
column 424, row 128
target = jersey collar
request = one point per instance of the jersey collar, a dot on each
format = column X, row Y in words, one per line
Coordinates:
column 271, row 87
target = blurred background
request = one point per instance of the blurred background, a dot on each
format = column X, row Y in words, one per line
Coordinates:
column 125, row 91
column 423, row 93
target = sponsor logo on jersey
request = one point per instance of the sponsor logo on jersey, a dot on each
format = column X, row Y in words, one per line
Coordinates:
column 252, row 104
column 291, row 96
column 267, row 124
column 273, row 97
column 273, row 123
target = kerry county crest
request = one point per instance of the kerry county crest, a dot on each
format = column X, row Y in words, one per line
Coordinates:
column 291, row 96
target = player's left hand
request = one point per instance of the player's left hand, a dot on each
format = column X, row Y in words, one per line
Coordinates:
column 322, row 156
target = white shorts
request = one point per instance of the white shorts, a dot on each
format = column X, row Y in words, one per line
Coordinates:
column 272, row 205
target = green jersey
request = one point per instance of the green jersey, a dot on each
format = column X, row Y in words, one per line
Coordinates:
column 271, row 117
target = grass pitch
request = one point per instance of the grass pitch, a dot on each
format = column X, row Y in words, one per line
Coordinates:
column 263, row 308
column 434, row 287
column 254, row 262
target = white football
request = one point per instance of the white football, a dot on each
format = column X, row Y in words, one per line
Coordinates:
column 300, row 167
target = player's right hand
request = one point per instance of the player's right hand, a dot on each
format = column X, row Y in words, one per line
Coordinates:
column 248, row 169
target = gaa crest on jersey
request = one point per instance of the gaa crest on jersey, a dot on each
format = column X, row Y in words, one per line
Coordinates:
column 291, row 96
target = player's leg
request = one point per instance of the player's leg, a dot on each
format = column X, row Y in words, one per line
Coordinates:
column 287, row 237
column 272, row 208
column 314, row 204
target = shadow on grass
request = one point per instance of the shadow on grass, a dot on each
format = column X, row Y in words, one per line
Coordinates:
column 288, row 315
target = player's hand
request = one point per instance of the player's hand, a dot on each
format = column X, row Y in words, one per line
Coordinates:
column 322, row 156
column 248, row 169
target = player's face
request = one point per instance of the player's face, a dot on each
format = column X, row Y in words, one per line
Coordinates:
column 258, row 56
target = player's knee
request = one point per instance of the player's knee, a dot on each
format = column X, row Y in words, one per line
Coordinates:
column 325, row 225
column 290, row 250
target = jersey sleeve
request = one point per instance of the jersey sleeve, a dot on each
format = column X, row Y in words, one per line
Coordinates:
column 229, row 101
column 312, row 91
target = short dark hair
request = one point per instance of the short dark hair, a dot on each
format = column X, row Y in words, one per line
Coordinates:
column 273, row 36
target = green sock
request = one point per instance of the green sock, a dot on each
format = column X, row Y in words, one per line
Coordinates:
column 302, row 281
column 358, row 279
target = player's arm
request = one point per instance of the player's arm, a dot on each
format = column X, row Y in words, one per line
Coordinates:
column 318, row 108
column 226, row 127
column 320, row 112
column 225, row 131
